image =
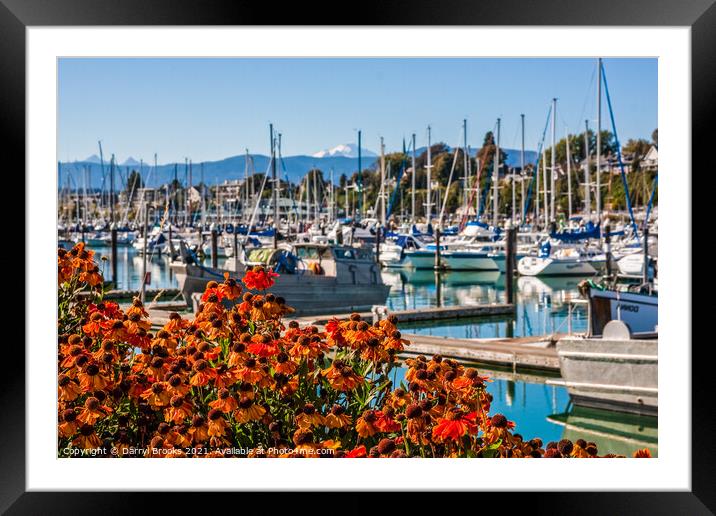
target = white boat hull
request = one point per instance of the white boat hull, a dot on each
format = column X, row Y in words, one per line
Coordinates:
column 617, row 375
column 535, row 266
column 420, row 259
column 466, row 261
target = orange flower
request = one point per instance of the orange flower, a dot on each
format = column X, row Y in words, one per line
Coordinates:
column 158, row 395
column 342, row 377
column 198, row 431
column 179, row 409
column 176, row 324
column 385, row 422
column 203, row 373
column 91, row 379
column 337, row 417
column 225, row 402
column 230, row 289
column 68, row 426
column 251, row 371
column 92, row 276
column 263, row 346
column 365, row 426
column 92, row 411
column 284, row 365
column 217, row 423
column 248, row 411
column 309, row 417
column 644, row 453
column 87, row 439
column 454, row 427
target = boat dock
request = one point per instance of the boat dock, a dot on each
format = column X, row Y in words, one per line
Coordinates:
column 538, row 353
column 150, row 295
column 423, row 314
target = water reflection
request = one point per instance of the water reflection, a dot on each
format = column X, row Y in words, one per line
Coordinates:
column 129, row 268
column 613, row 432
column 542, row 303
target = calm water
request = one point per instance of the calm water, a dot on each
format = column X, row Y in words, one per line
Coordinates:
column 542, row 303
column 129, row 268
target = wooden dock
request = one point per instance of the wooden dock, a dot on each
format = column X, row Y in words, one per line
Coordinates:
column 424, row 314
column 538, row 353
column 165, row 294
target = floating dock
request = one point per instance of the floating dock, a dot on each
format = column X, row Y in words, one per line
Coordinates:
column 534, row 353
column 424, row 314
column 150, row 294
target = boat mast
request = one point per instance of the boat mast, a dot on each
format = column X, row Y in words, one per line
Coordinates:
column 331, row 214
column 587, row 175
column 496, row 178
column 111, row 190
column 428, row 167
column 569, row 178
column 545, row 190
column 412, row 186
column 361, row 198
column 101, row 164
column 599, row 138
column 186, row 192
column 522, row 169
column 382, row 182
column 316, row 207
column 464, row 165
column 244, row 211
column 553, row 168
column 275, row 190
column 203, row 200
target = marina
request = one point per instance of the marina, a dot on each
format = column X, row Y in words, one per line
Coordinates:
column 537, row 268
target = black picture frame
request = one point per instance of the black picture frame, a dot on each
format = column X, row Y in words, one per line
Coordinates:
column 700, row 15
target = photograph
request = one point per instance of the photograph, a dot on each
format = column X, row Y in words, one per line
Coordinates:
column 357, row 257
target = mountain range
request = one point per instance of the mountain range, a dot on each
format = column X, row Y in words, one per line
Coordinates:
column 342, row 159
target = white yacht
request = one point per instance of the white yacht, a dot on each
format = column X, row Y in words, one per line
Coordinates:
column 565, row 261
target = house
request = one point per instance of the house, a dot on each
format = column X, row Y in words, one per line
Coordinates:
column 650, row 161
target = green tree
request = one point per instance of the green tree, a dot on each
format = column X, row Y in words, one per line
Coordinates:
column 134, row 181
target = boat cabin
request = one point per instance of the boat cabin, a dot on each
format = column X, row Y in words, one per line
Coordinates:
column 347, row 264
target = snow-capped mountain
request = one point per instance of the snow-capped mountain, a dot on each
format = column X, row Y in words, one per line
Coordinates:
column 347, row 150
column 130, row 162
column 92, row 159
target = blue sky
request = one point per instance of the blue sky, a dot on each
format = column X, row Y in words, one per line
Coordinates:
column 209, row 109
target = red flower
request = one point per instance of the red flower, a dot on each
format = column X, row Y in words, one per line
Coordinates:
column 259, row 278
column 357, row 452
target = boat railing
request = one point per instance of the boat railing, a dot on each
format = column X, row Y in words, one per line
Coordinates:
column 571, row 307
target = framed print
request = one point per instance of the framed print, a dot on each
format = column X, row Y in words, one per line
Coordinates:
column 424, row 244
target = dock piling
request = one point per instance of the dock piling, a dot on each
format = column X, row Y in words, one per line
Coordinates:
column 214, row 248
column 646, row 253
column 113, row 233
column 608, row 249
column 438, row 264
column 236, row 250
column 377, row 244
column 143, row 290
column 510, row 264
